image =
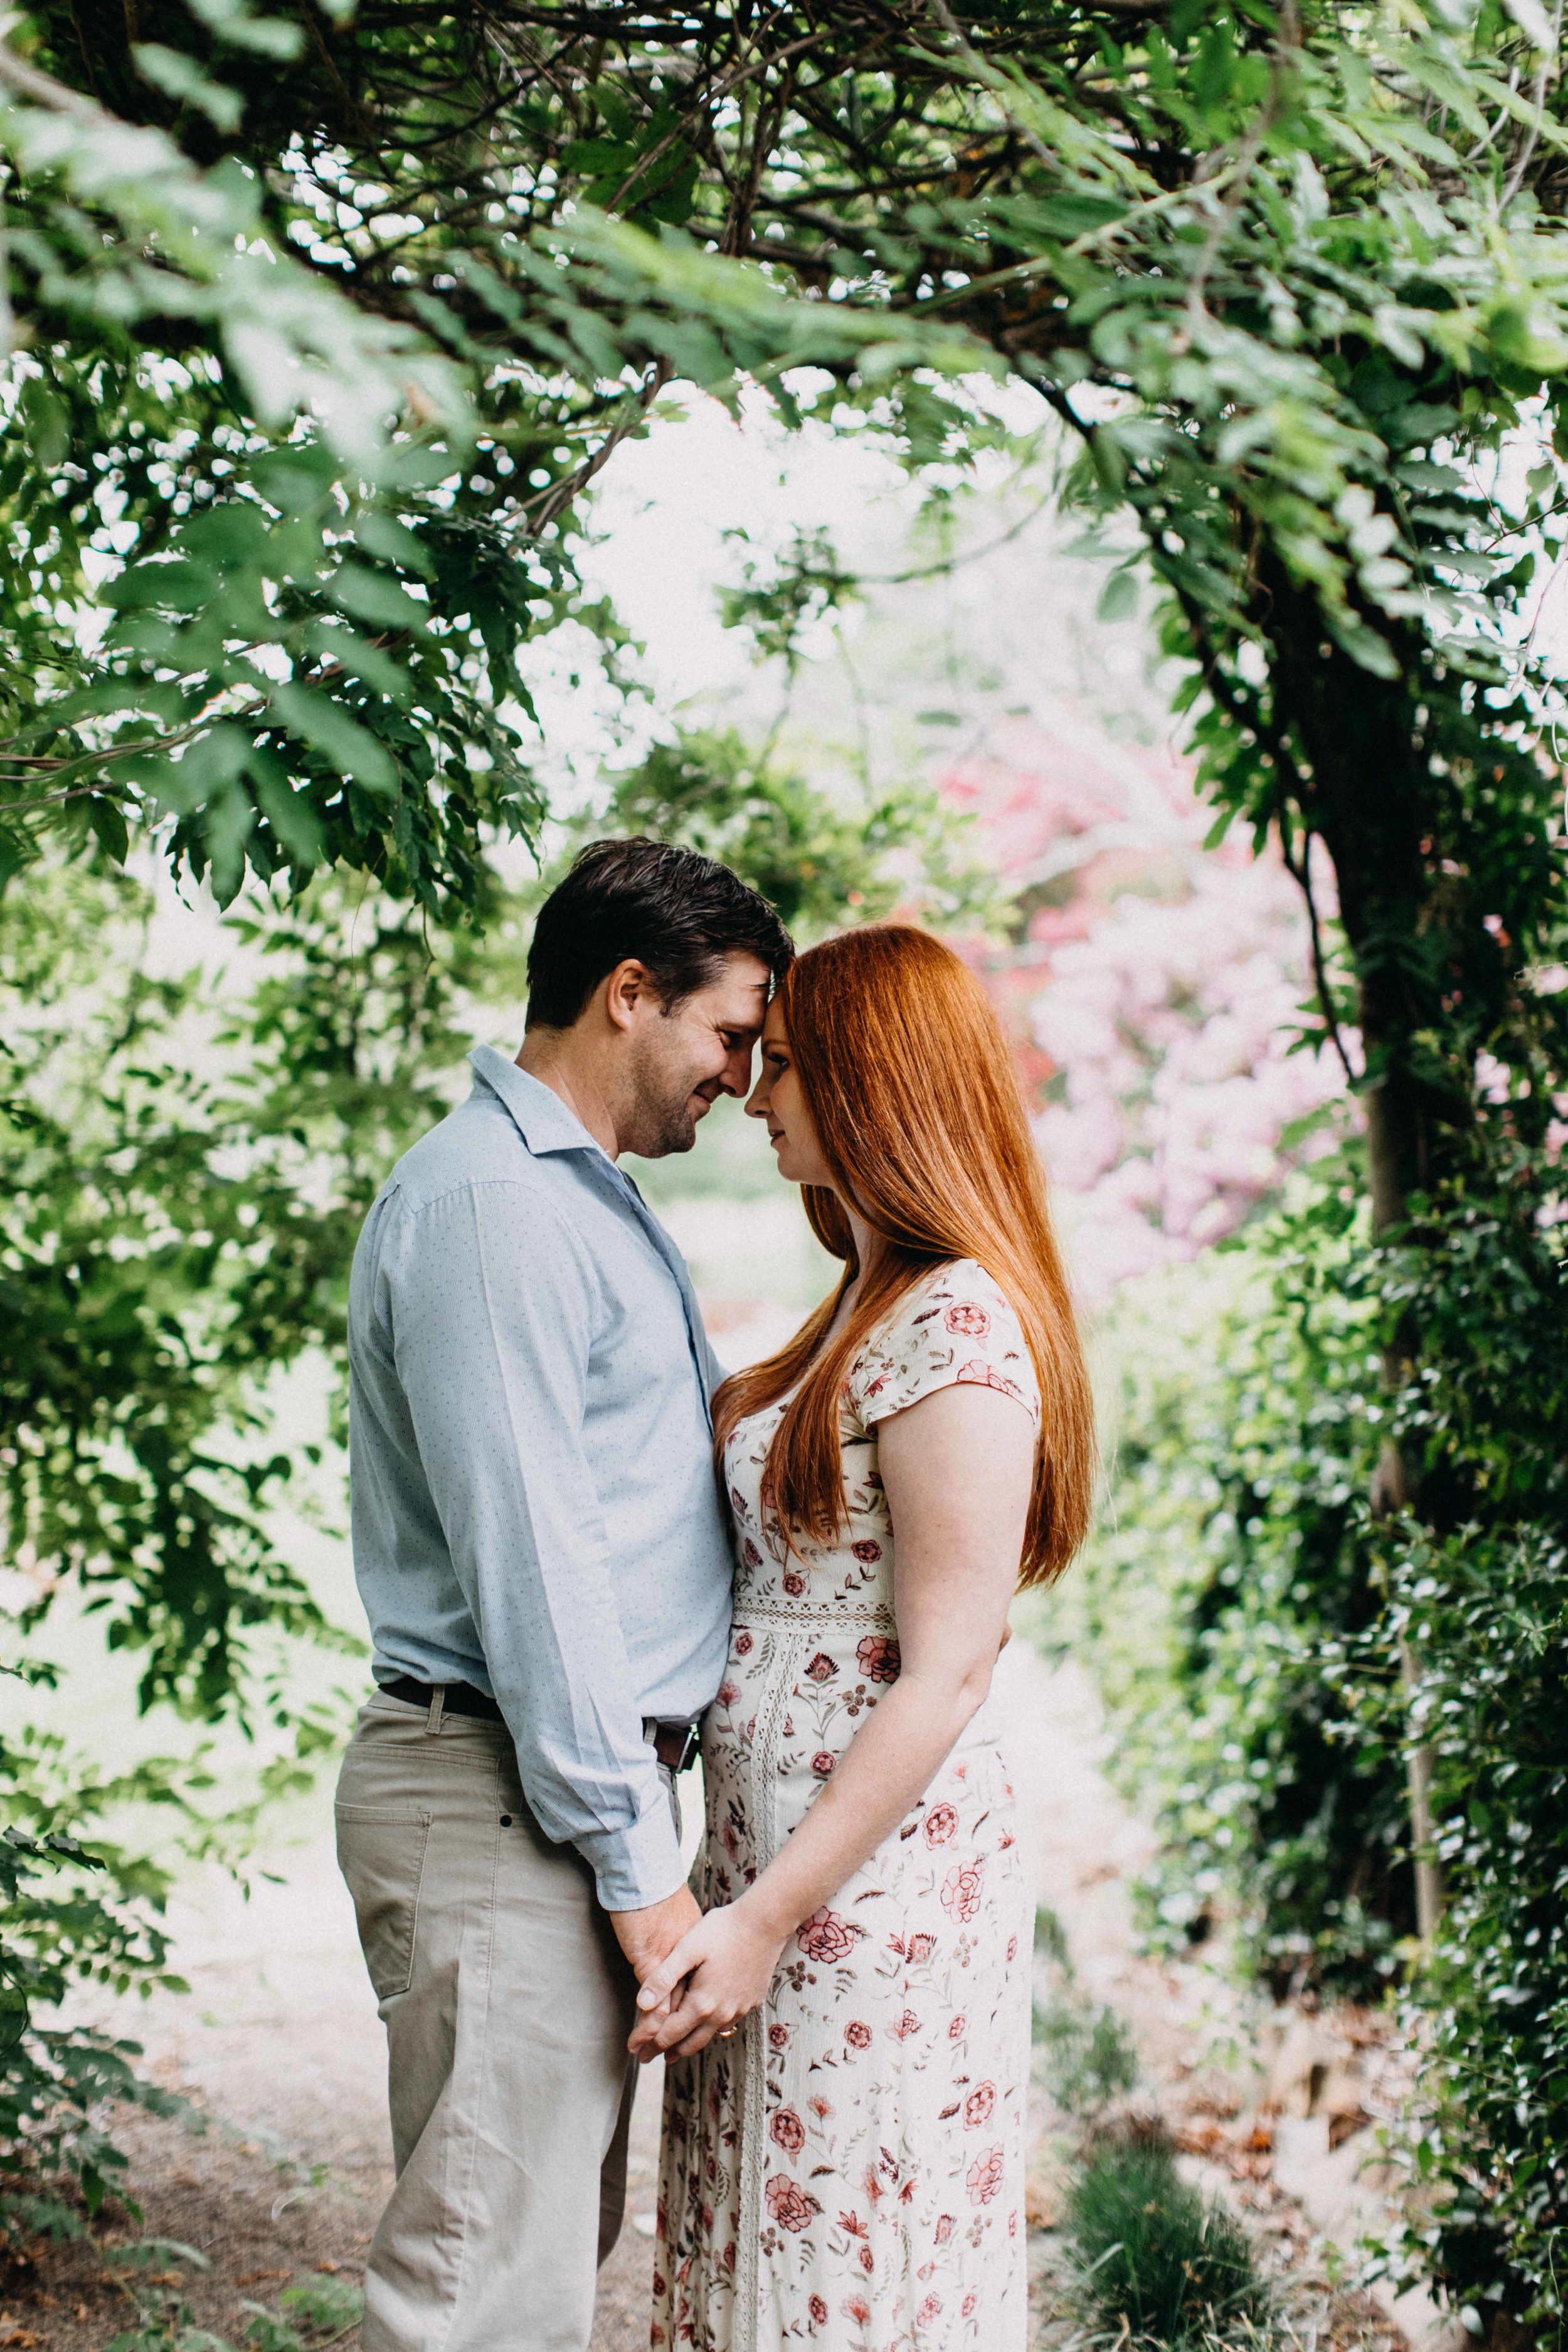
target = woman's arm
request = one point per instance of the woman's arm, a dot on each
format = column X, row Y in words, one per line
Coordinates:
column 957, row 1469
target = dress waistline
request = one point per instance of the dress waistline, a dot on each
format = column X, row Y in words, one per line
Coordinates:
column 803, row 1613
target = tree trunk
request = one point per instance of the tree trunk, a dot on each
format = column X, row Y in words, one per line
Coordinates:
column 1367, row 795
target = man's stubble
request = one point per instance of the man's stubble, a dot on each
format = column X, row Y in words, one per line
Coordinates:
column 662, row 1084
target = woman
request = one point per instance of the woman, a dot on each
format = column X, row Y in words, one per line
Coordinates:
column 848, row 2025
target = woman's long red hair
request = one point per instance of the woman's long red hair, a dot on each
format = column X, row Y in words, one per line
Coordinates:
column 906, row 1076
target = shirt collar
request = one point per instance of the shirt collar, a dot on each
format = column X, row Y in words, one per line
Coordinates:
column 543, row 1119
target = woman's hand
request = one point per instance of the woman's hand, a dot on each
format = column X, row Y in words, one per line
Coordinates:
column 720, row 1970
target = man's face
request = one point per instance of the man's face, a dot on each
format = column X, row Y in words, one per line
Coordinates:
column 683, row 1061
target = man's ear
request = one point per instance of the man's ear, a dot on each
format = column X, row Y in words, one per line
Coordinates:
column 626, row 990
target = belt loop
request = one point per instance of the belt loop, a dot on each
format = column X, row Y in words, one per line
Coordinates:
column 438, row 1701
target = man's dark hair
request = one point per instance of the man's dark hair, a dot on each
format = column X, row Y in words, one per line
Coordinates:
column 679, row 913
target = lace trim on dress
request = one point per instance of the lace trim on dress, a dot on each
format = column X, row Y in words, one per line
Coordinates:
column 794, row 1612
column 754, row 2117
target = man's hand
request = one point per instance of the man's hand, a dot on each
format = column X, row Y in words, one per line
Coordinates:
column 647, row 1936
column 727, row 1964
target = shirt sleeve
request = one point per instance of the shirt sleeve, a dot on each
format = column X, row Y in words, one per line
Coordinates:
column 959, row 1328
column 492, row 1309
column 714, row 1371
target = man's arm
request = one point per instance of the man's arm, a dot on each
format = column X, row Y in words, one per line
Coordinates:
column 492, row 1312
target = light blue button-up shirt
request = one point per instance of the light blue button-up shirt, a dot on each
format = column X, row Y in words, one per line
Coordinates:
column 534, row 1500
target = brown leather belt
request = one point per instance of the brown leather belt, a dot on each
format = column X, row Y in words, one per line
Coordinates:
column 674, row 1744
column 456, row 1698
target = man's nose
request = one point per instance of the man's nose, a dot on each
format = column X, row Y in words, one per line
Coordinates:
column 737, row 1077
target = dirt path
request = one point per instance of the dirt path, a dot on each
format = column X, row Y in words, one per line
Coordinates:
column 280, row 2044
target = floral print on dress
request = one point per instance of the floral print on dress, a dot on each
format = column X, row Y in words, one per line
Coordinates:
column 846, row 2172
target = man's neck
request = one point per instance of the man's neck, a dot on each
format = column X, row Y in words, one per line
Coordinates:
column 550, row 1055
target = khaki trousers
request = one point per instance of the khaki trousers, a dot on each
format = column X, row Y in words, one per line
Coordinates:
column 506, row 2004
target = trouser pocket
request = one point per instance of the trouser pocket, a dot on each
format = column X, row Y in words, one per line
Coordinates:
column 381, row 1853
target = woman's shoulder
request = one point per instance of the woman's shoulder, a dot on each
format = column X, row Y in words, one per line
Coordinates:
column 964, row 1295
column 956, row 1326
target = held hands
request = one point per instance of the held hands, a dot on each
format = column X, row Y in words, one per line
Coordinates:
column 646, row 1935
column 701, row 1973
column 719, row 1969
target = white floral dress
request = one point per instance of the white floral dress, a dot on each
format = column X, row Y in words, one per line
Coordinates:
column 846, row 2171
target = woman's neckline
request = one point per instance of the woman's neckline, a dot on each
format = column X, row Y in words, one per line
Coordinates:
column 781, row 1404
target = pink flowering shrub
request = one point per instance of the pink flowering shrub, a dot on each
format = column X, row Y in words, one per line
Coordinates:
column 1154, row 1005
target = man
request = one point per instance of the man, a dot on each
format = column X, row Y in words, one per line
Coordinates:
column 541, row 1551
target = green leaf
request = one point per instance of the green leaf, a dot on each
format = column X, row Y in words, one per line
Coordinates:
column 352, row 749
column 1071, row 216
column 235, row 533
column 232, row 22
column 1119, row 597
column 215, row 760
column 227, row 821
column 289, row 814
column 598, row 156
column 47, row 424
column 384, row 535
column 377, row 668
column 371, row 596
column 298, row 480
column 179, row 76
column 170, row 587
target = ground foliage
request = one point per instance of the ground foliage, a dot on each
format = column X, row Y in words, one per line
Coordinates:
column 1085, row 2051
column 324, row 321
column 1155, row 2264
column 313, row 2311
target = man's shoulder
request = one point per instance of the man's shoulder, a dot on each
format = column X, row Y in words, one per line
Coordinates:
column 475, row 1145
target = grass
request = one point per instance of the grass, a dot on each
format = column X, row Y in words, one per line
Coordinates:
column 1155, row 2264
column 325, row 2308
column 1089, row 2056
column 1088, row 2053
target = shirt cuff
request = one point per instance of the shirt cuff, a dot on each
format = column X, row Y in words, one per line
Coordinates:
column 639, row 1866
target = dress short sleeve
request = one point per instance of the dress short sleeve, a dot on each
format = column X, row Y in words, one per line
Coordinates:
column 956, row 1327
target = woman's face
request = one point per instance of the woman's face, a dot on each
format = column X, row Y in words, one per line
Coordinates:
column 779, row 1098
